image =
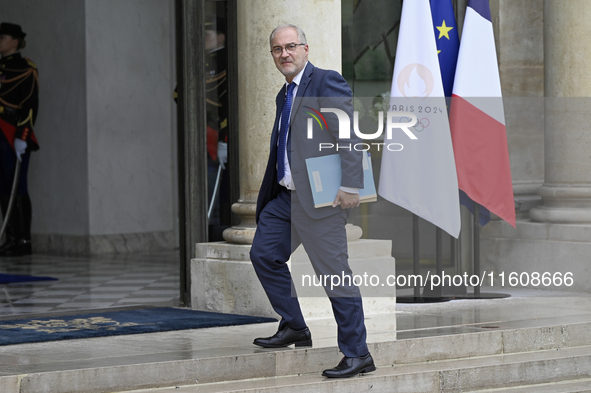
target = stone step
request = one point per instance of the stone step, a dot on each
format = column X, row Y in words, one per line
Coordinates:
column 223, row 280
column 538, row 370
column 221, row 355
column 580, row 386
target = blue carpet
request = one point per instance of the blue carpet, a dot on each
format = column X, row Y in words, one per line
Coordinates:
column 10, row 278
column 115, row 323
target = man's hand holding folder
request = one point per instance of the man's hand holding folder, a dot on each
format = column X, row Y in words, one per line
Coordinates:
column 346, row 200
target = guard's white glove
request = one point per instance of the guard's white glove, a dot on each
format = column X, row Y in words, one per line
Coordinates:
column 20, row 147
column 223, row 154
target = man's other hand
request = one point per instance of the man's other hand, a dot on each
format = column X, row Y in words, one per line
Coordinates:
column 346, row 200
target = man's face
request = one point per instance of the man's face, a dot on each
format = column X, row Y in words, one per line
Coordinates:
column 8, row 44
column 213, row 40
column 210, row 40
column 289, row 64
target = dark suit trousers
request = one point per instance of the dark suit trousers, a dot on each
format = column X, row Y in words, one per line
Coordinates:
column 283, row 226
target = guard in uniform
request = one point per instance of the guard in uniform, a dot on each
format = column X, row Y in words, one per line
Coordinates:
column 19, row 89
column 216, row 97
column 216, row 85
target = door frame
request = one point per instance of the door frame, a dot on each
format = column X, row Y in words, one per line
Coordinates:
column 191, row 135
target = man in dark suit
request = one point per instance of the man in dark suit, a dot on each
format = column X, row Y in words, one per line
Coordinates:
column 286, row 216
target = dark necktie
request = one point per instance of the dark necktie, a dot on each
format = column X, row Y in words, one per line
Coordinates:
column 285, row 112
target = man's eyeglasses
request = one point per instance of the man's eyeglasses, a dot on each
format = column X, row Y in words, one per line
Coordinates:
column 290, row 48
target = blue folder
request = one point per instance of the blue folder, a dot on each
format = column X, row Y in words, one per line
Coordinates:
column 324, row 174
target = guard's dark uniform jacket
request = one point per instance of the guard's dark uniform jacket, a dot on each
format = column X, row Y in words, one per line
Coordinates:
column 216, row 85
column 19, row 101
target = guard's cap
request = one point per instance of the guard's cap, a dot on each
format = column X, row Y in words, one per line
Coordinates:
column 12, row 30
column 215, row 23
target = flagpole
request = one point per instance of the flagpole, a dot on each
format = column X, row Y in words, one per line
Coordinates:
column 416, row 267
column 476, row 247
column 476, row 267
column 439, row 253
column 428, row 295
column 442, row 292
column 452, row 253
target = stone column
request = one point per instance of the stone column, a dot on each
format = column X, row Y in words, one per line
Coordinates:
column 259, row 82
column 567, row 53
column 222, row 277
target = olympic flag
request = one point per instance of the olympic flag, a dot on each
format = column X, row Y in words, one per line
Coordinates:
column 422, row 176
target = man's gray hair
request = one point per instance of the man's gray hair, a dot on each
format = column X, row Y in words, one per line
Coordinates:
column 301, row 34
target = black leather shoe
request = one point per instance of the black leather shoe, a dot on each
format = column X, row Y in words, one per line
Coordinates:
column 16, row 248
column 286, row 337
column 349, row 367
column 7, row 244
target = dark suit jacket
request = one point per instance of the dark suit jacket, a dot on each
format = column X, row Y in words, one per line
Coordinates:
column 318, row 89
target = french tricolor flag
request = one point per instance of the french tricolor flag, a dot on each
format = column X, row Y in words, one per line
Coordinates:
column 477, row 118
